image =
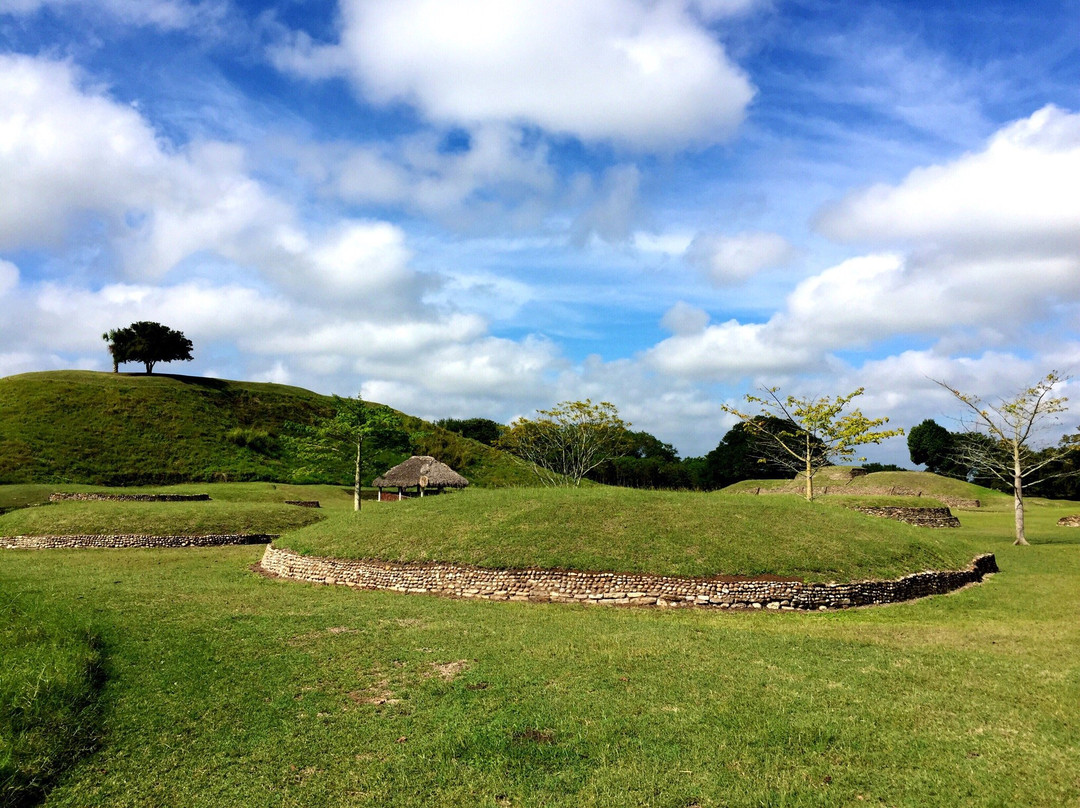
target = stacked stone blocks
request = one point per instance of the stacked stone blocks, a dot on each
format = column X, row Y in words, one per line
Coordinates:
column 615, row 589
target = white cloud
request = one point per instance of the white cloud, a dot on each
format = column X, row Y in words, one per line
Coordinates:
column 419, row 175
column 9, row 277
column 1016, row 195
column 632, row 72
column 683, row 319
column 728, row 260
column 612, row 216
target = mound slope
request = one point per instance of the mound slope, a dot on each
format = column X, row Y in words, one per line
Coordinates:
column 128, row 429
column 623, row 530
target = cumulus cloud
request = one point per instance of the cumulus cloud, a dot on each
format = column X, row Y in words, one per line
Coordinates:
column 647, row 75
column 728, row 260
column 418, row 174
column 1016, row 195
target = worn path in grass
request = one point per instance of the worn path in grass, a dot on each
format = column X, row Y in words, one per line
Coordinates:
column 229, row 689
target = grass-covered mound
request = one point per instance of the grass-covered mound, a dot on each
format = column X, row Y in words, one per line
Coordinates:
column 128, row 429
column 50, row 676
column 877, row 484
column 328, row 496
column 155, row 518
column 624, row 530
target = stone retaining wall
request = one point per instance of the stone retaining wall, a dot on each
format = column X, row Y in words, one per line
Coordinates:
column 129, row 497
column 130, row 540
column 608, row 588
column 921, row 517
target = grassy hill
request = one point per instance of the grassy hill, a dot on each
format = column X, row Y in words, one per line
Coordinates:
column 128, row 429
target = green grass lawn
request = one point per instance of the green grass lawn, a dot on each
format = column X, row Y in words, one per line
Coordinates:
column 626, row 530
column 227, row 689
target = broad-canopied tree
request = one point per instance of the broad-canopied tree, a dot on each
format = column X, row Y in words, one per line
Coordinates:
column 147, row 342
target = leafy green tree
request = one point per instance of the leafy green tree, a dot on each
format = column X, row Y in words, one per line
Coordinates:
column 1000, row 438
column 933, row 446
column 147, row 342
column 568, row 441
column 348, row 437
column 821, row 437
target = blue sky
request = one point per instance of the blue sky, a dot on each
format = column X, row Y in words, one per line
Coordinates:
column 479, row 208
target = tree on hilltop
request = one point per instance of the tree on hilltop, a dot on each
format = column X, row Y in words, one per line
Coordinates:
column 147, row 342
column 821, row 435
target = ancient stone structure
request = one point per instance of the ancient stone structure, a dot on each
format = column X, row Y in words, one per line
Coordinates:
column 303, row 503
column 615, row 589
column 1069, row 521
column 921, row 517
column 93, row 497
column 131, row 540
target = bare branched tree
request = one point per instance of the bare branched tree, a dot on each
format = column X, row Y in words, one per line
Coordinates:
column 568, row 441
column 1000, row 438
column 820, row 435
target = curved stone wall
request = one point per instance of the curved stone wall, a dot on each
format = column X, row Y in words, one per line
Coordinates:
column 131, row 540
column 610, row 588
column 92, row 497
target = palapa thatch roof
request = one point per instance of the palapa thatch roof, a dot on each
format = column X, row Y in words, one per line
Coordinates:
column 408, row 474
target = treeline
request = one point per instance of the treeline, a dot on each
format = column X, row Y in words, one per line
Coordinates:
column 648, row 462
column 951, row 454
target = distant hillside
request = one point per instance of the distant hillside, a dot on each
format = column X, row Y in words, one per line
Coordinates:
column 124, row 429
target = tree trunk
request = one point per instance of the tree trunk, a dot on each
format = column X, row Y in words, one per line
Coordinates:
column 149, row 367
column 1018, row 502
column 809, row 481
column 356, row 478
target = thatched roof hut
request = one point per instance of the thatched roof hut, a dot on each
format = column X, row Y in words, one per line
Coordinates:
column 421, row 472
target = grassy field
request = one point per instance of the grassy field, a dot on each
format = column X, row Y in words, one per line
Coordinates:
column 222, row 688
column 227, row 689
column 83, row 427
column 625, row 530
